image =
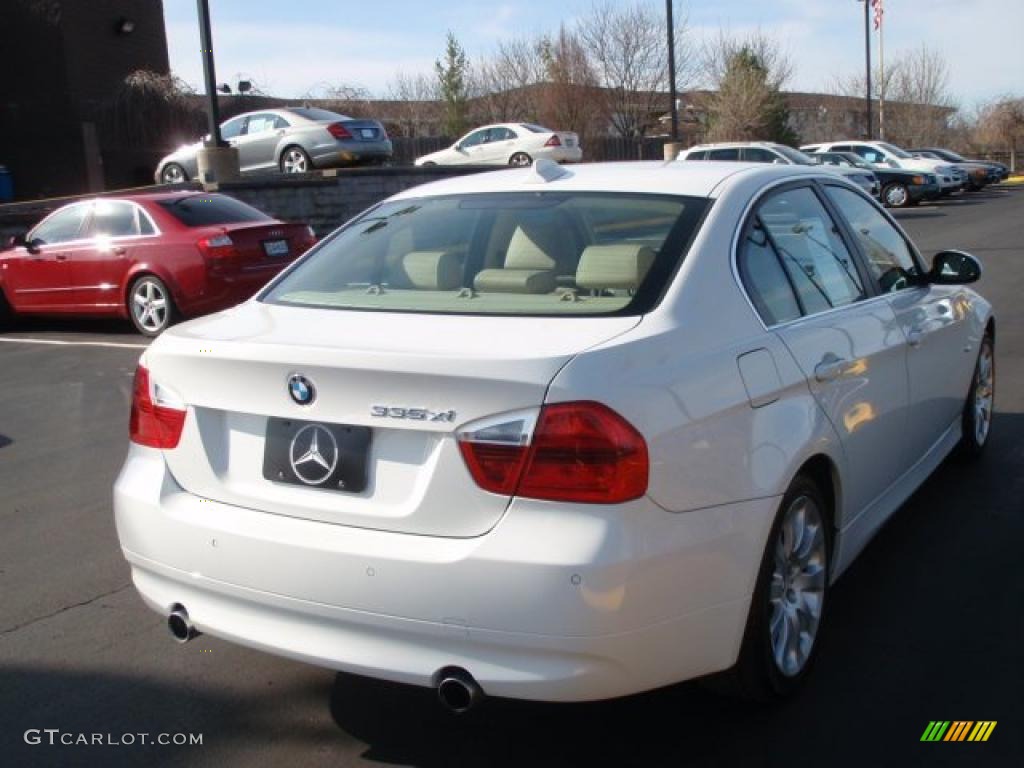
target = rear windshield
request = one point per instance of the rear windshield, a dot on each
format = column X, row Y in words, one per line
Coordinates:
column 204, row 210
column 541, row 253
column 536, row 128
column 314, row 113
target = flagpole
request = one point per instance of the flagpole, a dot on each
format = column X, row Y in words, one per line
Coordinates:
column 881, row 73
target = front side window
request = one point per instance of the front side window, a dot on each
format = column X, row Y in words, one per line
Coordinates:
column 113, row 218
column 889, row 258
column 870, row 154
column 61, row 227
column 232, row 129
column 807, row 241
column 475, row 138
column 538, row 253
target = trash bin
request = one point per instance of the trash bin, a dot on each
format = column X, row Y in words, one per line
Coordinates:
column 6, row 185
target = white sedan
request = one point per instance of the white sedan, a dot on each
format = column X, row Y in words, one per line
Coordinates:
column 557, row 434
column 515, row 144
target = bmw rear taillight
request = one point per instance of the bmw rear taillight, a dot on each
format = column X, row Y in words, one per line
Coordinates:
column 338, row 131
column 554, row 141
column 157, row 416
column 575, row 452
column 217, row 248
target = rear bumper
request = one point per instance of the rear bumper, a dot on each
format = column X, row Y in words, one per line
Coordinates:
column 347, row 152
column 226, row 289
column 560, row 154
column 565, row 604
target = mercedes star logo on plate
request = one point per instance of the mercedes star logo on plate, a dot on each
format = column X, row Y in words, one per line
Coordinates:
column 313, row 454
column 301, row 389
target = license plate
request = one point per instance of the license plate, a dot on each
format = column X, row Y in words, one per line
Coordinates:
column 367, row 133
column 275, row 247
column 316, row 455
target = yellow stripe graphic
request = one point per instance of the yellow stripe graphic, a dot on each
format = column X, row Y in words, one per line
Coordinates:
column 981, row 725
column 988, row 731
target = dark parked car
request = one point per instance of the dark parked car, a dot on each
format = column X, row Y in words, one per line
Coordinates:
column 996, row 171
column 898, row 188
column 152, row 258
column 291, row 139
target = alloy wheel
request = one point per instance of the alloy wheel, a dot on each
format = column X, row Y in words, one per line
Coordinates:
column 173, row 174
column 797, row 588
column 150, row 305
column 295, row 161
column 896, row 196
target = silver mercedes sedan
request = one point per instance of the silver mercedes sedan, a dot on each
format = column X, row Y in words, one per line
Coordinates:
column 291, row 139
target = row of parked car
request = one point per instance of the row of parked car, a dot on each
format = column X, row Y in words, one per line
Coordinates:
column 895, row 176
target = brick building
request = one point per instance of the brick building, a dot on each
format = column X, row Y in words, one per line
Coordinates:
column 63, row 58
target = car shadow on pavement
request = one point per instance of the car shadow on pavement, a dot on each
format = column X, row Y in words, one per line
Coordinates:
column 5, row 441
column 74, row 325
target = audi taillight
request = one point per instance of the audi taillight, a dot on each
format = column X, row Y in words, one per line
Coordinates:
column 217, row 248
column 157, row 416
column 554, row 141
column 338, row 131
column 576, row 452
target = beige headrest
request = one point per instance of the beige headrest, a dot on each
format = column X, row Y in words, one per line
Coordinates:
column 433, row 270
column 515, row 281
column 531, row 247
column 613, row 266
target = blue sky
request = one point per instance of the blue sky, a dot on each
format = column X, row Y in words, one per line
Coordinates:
column 291, row 46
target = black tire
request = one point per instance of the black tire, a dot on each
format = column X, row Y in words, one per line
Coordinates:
column 295, row 159
column 428, row 164
column 173, row 173
column 520, row 160
column 757, row 675
column 895, row 195
column 976, row 428
column 6, row 313
column 160, row 316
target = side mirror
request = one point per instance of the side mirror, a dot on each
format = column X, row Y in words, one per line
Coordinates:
column 16, row 241
column 458, row 147
column 954, row 268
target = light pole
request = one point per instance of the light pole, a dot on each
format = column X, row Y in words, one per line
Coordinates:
column 216, row 161
column 672, row 70
column 867, row 63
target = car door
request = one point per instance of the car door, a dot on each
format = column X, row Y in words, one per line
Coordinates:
column 41, row 281
column 258, row 142
column 846, row 340
column 500, row 146
column 99, row 263
column 933, row 318
column 471, row 149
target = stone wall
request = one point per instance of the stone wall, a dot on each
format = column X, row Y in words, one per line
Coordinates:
column 324, row 199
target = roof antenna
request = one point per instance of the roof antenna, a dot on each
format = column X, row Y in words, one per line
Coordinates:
column 544, row 170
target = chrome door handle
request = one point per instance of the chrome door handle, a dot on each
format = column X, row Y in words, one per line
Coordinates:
column 119, row 251
column 914, row 336
column 61, row 257
column 830, row 368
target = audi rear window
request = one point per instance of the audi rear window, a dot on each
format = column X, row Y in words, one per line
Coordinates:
column 511, row 253
column 206, row 210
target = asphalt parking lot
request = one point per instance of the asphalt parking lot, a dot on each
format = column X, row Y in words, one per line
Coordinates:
column 928, row 624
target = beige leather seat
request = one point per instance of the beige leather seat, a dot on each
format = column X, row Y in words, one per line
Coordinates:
column 613, row 267
column 531, row 261
column 433, row 270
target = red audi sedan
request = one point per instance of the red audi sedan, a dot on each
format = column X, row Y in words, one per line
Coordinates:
column 153, row 258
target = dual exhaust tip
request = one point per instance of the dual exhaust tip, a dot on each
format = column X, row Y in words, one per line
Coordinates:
column 457, row 691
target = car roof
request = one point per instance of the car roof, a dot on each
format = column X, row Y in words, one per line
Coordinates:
column 727, row 144
column 666, row 178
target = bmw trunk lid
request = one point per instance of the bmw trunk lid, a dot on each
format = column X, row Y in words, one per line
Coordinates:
column 370, row 401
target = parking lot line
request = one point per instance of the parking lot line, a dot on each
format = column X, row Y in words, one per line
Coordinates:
column 60, row 342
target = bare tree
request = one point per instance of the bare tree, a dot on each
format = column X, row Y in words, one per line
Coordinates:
column 503, row 83
column 415, row 109
column 571, row 98
column 747, row 75
column 627, row 48
column 1001, row 126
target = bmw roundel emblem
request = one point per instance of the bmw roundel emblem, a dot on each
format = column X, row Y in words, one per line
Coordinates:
column 301, row 389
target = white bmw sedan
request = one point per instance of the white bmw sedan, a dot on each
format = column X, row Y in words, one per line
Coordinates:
column 556, row 434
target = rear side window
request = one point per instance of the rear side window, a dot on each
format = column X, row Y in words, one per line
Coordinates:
column 759, row 155
column 724, row 154
column 794, row 227
column 536, row 128
column 260, row 123
column 113, row 218
column 548, row 254
column 205, row 210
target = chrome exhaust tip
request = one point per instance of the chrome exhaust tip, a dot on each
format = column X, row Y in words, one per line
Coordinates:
column 458, row 691
column 180, row 626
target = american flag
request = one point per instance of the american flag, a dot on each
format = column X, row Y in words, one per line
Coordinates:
column 877, row 5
